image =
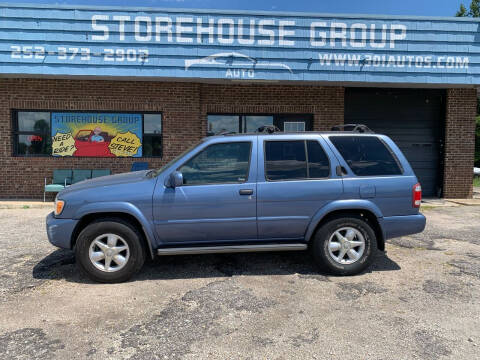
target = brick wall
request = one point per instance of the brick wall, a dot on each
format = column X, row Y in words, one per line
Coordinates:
column 459, row 143
column 184, row 107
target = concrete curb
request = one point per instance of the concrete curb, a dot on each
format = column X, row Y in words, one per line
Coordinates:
column 466, row 202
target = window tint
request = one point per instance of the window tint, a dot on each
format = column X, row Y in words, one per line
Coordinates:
column 218, row 164
column 366, row 155
column 285, row 160
column 318, row 164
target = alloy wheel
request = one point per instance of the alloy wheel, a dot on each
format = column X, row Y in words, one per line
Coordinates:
column 346, row 245
column 109, row 252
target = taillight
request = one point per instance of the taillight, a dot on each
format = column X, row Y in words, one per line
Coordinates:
column 416, row 195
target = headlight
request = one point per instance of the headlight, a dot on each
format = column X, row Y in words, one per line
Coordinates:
column 59, row 205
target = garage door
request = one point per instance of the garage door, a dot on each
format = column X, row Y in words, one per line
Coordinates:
column 414, row 119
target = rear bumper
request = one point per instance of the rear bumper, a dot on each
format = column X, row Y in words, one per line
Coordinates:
column 59, row 231
column 396, row 226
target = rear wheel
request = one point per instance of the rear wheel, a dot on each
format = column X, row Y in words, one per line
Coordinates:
column 110, row 251
column 344, row 245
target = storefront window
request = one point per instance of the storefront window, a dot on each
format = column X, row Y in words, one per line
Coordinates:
column 87, row 134
column 218, row 124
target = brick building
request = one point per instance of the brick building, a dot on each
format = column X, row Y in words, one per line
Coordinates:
column 170, row 77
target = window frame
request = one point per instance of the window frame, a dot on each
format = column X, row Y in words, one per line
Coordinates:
column 306, row 161
column 394, row 156
column 247, row 178
column 15, row 132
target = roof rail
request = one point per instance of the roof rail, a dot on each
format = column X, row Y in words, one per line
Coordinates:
column 226, row 133
column 268, row 129
column 358, row 128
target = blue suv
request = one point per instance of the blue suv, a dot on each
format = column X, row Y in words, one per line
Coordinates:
column 338, row 194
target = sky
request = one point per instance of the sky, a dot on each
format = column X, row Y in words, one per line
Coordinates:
column 384, row 7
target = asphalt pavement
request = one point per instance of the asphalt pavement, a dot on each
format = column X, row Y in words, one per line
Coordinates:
column 419, row 300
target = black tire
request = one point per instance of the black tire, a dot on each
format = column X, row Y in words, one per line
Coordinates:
column 117, row 227
column 320, row 242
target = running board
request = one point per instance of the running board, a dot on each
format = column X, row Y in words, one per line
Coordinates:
column 231, row 249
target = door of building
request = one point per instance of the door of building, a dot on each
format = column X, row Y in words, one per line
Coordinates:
column 413, row 118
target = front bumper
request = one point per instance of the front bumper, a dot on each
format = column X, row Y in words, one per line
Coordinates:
column 396, row 226
column 59, row 231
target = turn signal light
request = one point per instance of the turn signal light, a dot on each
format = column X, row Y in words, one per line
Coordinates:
column 417, row 195
column 59, row 204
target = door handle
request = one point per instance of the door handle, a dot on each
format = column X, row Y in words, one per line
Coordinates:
column 246, row 192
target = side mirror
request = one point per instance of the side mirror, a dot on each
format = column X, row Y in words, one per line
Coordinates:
column 174, row 180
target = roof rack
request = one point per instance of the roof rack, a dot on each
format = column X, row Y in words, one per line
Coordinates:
column 268, row 129
column 358, row 128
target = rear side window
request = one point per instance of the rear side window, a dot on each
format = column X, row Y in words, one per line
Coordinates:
column 294, row 160
column 367, row 155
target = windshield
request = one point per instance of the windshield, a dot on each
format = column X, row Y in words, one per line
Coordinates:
column 167, row 165
column 83, row 133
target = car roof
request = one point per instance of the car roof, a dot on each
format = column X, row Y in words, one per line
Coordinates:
column 292, row 134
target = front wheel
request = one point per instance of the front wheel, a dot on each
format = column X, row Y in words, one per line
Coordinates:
column 110, row 251
column 344, row 245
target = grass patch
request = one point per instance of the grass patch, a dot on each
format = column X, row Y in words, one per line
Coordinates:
column 476, row 181
column 26, row 207
column 427, row 207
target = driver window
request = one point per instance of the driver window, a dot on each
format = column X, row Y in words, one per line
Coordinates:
column 218, row 164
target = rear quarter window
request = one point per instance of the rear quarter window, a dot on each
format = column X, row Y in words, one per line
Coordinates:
column 367, row 155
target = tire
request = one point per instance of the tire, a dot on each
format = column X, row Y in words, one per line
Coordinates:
column 97, row 238
column 325, row 245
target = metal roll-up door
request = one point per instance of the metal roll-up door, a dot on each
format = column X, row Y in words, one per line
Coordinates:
column 413, row 118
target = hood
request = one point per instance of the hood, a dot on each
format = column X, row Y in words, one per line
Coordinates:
column 102, row 181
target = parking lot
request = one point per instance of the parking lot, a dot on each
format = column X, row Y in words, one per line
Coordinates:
column 419, row 300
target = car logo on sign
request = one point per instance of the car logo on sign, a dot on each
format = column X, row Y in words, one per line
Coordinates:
column 235, row 59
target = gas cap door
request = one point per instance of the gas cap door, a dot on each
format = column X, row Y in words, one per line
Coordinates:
column 367, row 191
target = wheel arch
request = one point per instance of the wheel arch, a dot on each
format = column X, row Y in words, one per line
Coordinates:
column 368, row 213
column 88, row 217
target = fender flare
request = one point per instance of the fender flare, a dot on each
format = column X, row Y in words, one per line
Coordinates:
column 342, row 205
column 119, row 207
